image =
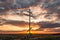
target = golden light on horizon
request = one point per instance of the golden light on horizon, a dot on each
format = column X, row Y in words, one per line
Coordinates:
column 11, row 29
column 18, row 28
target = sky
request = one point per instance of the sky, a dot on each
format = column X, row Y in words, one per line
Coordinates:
column 46, row 15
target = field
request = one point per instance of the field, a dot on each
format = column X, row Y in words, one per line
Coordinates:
column 30, row 37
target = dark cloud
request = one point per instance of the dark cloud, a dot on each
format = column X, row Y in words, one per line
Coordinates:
column 48, row 25
column 26, row 3
column 53, row 6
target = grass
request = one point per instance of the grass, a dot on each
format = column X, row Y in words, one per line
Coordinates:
column 30, row 37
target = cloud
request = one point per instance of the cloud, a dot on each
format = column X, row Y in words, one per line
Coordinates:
column 26, row 3
column 52, row 29
column 46, row 11
column 50, row 11
column 48, row 25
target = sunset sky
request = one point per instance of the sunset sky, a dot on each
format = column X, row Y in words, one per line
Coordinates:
column 45, row 16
